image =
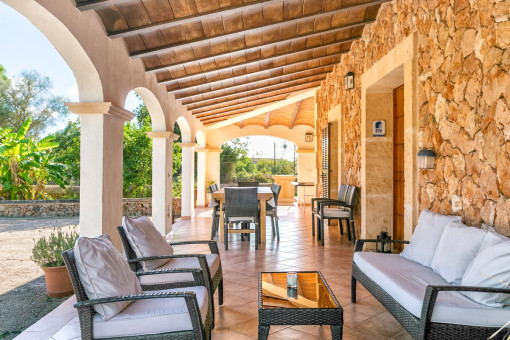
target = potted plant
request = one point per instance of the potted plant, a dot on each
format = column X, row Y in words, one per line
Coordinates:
column 47, row 254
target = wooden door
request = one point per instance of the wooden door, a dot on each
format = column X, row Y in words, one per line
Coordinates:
column 398, row 163
column 333, row 159
column 325, row 162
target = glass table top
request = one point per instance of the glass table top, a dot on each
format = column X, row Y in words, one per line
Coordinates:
column 311, row 291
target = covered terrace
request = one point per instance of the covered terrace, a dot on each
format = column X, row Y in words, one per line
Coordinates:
column 436, row 73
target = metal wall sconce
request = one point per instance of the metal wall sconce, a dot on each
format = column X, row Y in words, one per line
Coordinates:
column 426, row 159
column 349, row 81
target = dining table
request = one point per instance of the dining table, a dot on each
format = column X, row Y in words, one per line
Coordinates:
column 264, row 194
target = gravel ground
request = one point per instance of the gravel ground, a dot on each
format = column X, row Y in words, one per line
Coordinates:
column 23, row 299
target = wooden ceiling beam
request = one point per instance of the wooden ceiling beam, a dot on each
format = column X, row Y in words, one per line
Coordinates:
column 190, row 18
column 98, row 4
column 294, row 115
column 232, row 108
column 168, row 47
column 334, row 62
column 329, row 67
column 248, row 99
column 253, row 92
column 266, row 123
column 301, row 36
column 227, row 76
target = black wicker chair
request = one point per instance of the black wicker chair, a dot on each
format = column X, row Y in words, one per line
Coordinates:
column 272, row 211
column 423, row 327
column 247, row 184
column 342, row 211
column 85, row 306
column 241, row 206
column 216, row 211
column 213, row 281
column 342, row 192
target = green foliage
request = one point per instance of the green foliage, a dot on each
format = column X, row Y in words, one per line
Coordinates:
column 177, row 186
column 68, row 150
column 27, row 165
column 28, row 96
column 47, row 250
column 138, row 155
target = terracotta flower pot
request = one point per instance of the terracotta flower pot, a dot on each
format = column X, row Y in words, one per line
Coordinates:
column 58, row 281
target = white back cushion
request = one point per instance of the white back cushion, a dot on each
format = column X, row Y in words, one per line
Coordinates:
column 423, row 243
column 457, row 247
column 104, row 273
column 146, row 241
column 490, row 268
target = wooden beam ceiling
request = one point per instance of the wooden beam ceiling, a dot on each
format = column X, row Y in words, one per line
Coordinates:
column 224, row 60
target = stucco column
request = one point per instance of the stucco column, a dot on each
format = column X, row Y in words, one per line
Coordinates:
column 188, row 180
column 212, row 173
column 102, row 128
column 162, row 150
column 201, row 166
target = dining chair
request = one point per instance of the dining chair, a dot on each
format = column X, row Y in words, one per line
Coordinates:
column 241, row 206
column 316, row 202
column 341, row 211
column 247, row 184
column 272, row 209
column 113, row 304
column 215, row 211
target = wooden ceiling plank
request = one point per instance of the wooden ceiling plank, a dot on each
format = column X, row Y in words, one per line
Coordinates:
column 294, row 115
column 234, row 109
column 242, row 31
column 185, row 19
column 294, row 41
column 247, row 94
column 270, row 77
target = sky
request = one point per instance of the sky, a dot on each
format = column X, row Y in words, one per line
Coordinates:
column 24, row 47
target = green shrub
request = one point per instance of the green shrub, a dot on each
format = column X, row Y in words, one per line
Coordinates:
column 47, row 250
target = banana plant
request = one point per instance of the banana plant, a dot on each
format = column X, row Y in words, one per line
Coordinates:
column 27, row 165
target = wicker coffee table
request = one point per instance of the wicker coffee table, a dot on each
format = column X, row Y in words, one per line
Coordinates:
column 312, row 303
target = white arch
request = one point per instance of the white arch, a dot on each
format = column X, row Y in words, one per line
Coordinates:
column 89, row 84
column 200, row 138
column 154, row 108
column 185, row 129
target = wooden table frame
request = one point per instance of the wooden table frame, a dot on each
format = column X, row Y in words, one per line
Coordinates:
column 264, row 194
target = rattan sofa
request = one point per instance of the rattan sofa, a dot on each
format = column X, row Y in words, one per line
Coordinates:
column 422, row 327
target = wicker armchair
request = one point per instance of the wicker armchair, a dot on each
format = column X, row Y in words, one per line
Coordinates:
column 341, row 211
column 272, row 211
column 241, row 206
column 88, row 317
column 316, row 202
column 216, row 211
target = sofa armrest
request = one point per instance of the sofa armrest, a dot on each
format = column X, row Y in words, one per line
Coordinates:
column 213, row 246
column 432, row 291
column 358, row 246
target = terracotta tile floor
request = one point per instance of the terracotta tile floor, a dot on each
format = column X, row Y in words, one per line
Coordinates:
column 237, row 317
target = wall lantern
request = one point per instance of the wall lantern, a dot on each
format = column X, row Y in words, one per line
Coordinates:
column 426, row 159
column 381, row 245
column 309, row 137
column 349, row 81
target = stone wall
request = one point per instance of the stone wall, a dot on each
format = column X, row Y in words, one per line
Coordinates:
column 67, row 208
column 463, row 95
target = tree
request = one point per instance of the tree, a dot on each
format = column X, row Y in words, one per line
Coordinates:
column 27, row 165
column 28, row 96
column 68, row 150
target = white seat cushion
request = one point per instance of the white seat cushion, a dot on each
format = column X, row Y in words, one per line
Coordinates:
column 146, row 240
column 457, row 247
column 336, row 213
column 104, row 273
column 152, row 316
column 213, row 261
column 426, row 236
column 406, row 282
